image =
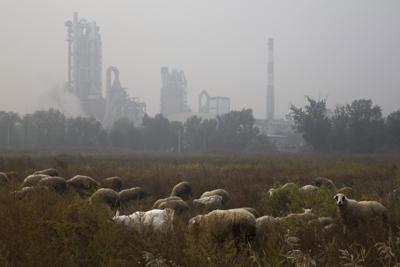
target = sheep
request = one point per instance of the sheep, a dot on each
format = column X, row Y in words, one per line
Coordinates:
column 265, row 225
column 182, row 190
column 57, row 184
column 307, row 189
column 105, row 196
column 322, row 181
column 155, row 219
column 33, row 180
column 27, row 191
column 291, row 218
column 128, row 196
column 84, row 185
column 4, row 180
column 114, row 183
column 217, row 192
column 49, row 172
column 355, row 212
column 178, row 205
column 209, row 203
column 221, row 224
column 321, row 222
column 161, row 200
column 252, row 211
column 284, row 187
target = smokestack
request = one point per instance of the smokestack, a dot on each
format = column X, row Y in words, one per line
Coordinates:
column 270, row 82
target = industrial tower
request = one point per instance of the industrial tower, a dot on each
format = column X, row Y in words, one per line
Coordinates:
column 270, row 82
column 85, row 65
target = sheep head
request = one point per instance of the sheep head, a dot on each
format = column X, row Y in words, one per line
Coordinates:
column 340, row 199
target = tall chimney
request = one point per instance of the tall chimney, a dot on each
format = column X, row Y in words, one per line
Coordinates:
column 270, row 82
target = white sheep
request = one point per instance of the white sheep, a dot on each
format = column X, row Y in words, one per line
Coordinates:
column 354, row 212
column 156, row 219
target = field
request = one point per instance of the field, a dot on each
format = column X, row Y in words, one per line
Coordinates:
column 64, row 230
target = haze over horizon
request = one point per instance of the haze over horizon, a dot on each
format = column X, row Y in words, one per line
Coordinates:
column 339, row 50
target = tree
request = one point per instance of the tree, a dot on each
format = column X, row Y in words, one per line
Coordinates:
column 123, row 134
column 312, row 121
column 365, row 126
column 393, row 126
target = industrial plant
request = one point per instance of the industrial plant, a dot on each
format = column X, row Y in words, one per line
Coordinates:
column 85, row 76
column 85, row 82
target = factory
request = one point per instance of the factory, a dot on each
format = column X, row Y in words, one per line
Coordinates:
column 85, row 76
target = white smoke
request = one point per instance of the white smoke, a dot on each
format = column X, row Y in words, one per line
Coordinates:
column 60, row 99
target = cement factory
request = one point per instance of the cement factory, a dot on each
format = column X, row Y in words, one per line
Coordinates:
column 85, row 82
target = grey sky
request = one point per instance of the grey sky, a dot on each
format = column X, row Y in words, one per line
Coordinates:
column 342, row 49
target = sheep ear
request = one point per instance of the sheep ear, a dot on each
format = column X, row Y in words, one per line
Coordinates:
column 117, row 213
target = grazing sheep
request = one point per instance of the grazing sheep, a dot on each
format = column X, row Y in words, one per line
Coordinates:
column 134, row 193
column 284, row 187
column 305, row 216
column 84, row 185
column 161, row 200
column 178, row 205
column 48, row 172
column 4, row 180
column 221, row 224
column 27, row 191
column 182, row 190
column 105, row 196
column 217, row 192
column 209, row 203
column 252, row 211
column 128, row 197
column 307, row 189
column 322, row 181
column 354, row 212
column 57, row 184
column 266, row 225
column 114, row 183
column 156, row 219
column 321, row 222
column 33, row 180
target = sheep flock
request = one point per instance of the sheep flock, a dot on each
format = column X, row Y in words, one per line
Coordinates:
column 212, row 214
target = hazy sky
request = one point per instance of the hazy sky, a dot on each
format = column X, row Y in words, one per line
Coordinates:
column 339, row 49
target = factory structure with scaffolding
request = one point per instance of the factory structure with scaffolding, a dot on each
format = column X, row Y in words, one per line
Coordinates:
column 85, row 77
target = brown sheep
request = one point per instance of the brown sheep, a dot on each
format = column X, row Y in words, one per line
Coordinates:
column 182, row 190
column 33, row 180
column 220, row 192
column 27, row 191
column 57, row 184
column 84, row 185
column 178, row 205
column 105, row 196
column 161, row 200
column 129, row 196
column 222, row 224
column 207, row 204
column 49, row 172
column 114, row 183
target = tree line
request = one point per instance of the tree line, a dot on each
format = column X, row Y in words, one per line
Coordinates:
column 358, row 127
column 43, row 130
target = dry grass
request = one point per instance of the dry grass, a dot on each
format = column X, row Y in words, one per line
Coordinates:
column 53, row 230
